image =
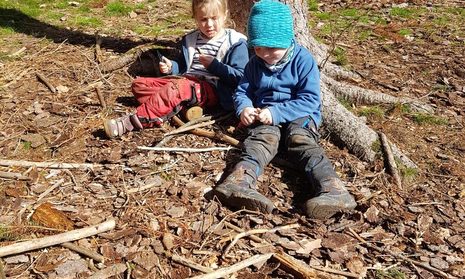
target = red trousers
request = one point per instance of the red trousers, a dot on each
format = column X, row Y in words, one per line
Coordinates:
column 161, row 98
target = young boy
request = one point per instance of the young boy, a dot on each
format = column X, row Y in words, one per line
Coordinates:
column 279, row 97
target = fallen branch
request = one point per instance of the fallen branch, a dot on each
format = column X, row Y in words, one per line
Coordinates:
column 84, row 251
column 13, row 175
column 222, row 272
column 126, row 58
column 56, row 239
column 191, row 264
column 256, row 231
column 109, row 271
column 398, row 256
column 209, row 134
column 48, row 165
column 46, row 82
column 392, row 166
column 186, row 150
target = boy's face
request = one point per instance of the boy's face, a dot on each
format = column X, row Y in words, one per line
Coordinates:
column 270, row 55
column 210, row 22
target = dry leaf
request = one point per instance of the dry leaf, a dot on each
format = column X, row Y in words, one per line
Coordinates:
column 50, row 217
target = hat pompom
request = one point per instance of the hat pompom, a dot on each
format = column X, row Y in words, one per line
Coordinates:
column 270, row 25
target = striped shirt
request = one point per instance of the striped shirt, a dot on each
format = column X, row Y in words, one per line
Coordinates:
column 206, row 47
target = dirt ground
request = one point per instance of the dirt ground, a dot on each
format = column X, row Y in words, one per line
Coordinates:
column 158, row 198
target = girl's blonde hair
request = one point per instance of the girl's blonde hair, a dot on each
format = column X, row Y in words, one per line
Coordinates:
column 211, row 5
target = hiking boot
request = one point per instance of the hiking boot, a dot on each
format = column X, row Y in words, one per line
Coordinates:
column 238, row 191
column 120, row 126
column 333, row 198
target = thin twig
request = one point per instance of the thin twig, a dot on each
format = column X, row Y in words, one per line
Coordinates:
column 49, row 165
column 191, row 264
column 186, row 150
column 256, row 231
column 101, row 99
column 84, row 251
column 13, row 175
column 46, row 82
column 222, row 272
column 390, row 159
column 338, row 272
column 143, row 188
column 47, row 241
column 189, row 128
column 98, row 50
column 2, row 271
column 110, row 271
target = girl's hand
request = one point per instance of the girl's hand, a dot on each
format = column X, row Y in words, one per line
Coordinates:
column 165, row 65
column 264, row 116
column 206, row 60
column 248, row 116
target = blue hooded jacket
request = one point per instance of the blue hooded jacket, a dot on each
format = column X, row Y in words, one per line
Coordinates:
column 289, row 93
column 228, row 66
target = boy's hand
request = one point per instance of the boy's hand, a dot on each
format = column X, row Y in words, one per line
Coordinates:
column 264, row 116
column 248, row 116
column 165, row 65
column 206, row 60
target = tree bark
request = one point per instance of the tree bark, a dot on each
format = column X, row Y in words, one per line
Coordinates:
column 343, row 125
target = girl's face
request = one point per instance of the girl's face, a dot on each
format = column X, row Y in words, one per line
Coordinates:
column 270, row 55
column 210, row 22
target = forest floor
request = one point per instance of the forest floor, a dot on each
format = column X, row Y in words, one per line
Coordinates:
column 159, row 199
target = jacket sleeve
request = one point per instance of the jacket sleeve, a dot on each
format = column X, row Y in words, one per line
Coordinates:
column 232, row 71
column 243, row 96
column 306, row 100
column 180, row 67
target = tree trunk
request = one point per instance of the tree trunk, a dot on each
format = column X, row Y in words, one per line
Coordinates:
column 341, row 123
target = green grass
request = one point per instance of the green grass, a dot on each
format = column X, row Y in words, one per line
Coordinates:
column 85, row 21
column 424, row 118
column 27, row 145
column 340, row 55
column 402, row 12
column 405, row 32
column 392, row 273
column 372, row 112
column 5, row 234
column 118, row 8
column 312, row 5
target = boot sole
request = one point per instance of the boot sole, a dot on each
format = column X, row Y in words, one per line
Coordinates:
column 235, row 197
column 326, row 208
column 107, row 128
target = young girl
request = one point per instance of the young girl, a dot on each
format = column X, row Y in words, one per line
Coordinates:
column 212, row 64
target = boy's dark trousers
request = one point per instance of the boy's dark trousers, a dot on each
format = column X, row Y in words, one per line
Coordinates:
column 300, row 138
column 300, row 144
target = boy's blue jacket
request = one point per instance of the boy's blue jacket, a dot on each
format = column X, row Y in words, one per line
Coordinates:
column 228, row 66
column 290, row 93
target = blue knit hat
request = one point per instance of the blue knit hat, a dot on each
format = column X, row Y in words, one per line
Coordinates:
column 270, row 25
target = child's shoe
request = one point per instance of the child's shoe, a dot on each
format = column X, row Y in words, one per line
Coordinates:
column 238, row 191
column 119, row 126
column 333, row 198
